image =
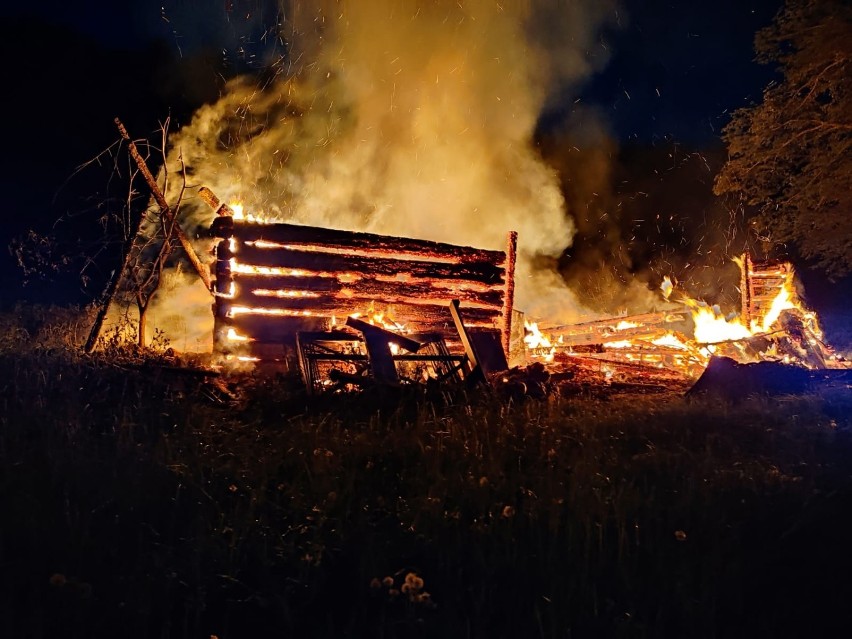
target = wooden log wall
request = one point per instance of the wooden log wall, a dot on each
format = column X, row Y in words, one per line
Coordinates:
column 273, row 280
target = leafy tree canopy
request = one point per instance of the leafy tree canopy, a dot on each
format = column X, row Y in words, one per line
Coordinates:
column 789, row 156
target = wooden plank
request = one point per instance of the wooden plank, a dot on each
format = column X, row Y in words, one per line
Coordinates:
column 471, row 367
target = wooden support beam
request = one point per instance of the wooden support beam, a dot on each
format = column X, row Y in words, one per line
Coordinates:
column 509, row 294
column 378, row 341
column 471, row 368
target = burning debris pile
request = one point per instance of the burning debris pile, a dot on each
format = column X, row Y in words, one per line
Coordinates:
column 288, row 293
column 774, row 326
column 309, row 298
column 380, row 126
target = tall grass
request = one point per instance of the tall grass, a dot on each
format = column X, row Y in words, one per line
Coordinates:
column 142, row 502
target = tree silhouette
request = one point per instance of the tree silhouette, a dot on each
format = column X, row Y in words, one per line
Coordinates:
column 789, row 159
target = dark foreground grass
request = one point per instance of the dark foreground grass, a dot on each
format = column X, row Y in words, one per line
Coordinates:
column 137, row 503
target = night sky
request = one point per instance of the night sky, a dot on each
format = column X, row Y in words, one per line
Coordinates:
column 676, row 70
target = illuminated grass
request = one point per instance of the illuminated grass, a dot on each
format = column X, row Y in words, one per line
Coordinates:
column 138, row 502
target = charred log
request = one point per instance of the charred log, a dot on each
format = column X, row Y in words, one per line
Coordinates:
column 295, row 235
column 363, row 290
column 416, row 317
column 315, row 263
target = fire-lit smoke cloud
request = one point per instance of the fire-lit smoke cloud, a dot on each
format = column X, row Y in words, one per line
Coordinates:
column 407, row 118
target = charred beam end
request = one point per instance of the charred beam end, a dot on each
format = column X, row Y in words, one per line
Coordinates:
column 223, row 227
column 211, row 200
column 223, row 268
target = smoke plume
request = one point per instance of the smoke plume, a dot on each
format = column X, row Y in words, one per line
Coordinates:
column 408, row 118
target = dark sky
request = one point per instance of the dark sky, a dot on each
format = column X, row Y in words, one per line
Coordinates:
column 676, row 69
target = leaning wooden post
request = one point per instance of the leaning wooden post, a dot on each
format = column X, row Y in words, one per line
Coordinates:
column 745, row 288
column 111, row 289
column 165, row 210
column 509, row 296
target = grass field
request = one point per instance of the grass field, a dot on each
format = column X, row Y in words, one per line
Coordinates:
column 138, row 501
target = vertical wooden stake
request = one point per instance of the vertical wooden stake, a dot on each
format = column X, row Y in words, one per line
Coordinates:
column 509, row 295
column 745, row 288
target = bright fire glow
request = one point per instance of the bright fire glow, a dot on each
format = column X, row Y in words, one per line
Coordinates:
column 711, row 326
column 265, row 292
column 671, row 341
column 667, row 287
column 377, row 318
column 248, row 269
column 260, row 310
column 623, row 343
column 623, row 324
column 236, row 337
column 538, row 342
column 782, row 302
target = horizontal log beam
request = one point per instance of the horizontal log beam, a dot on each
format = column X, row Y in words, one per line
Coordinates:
column 609, row 323
column 260, row 291
column 298, row 235
column 426, row 319
column 266, row 329
column 316, row 263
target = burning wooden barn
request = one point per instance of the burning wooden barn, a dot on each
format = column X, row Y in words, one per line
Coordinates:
column 277, row 281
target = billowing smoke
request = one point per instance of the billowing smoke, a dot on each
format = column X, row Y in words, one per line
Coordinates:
column 407, row 118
